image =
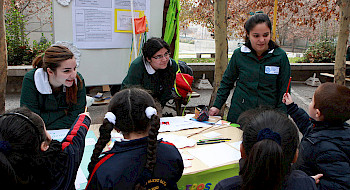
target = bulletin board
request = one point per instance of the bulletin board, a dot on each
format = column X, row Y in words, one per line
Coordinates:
column 100, row 64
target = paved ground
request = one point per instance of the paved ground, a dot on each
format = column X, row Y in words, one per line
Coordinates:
column 301, row 93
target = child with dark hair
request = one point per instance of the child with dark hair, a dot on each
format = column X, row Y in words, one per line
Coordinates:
column 30, row 159
column 139, row 160
column 269, row 147
column 325, row 147
column 154, row 70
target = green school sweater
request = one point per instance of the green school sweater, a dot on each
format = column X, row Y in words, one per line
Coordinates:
column 159, row 87
column 259, row 82
column 52, row 108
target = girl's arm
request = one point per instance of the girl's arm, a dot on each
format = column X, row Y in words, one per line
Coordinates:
column 229, row 78
column 299, row 116
column 74, row 144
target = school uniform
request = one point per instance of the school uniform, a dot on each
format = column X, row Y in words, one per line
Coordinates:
column 120, row 168
column 158, row 82
column 259, row 81
column 324, row 149
column 57, row 167
column 37, row 95
column 296, row 180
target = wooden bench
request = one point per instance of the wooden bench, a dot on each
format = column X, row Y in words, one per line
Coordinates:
column 199, row 55
column 332, row 76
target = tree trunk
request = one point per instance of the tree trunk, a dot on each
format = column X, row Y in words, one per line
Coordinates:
column 340, row 57
column 221, row 48
column 3, row 58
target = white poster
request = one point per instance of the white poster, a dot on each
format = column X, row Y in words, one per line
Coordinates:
column 96, row 24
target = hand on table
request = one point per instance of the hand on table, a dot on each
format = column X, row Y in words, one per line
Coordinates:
column 214, row 111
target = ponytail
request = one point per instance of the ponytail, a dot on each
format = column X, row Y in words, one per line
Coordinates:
column 105, row 136
column 151, row 153
column 263, row 168
column 270, row 141
column 38, row 61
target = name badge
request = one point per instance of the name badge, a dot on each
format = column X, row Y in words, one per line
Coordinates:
column 272, row 70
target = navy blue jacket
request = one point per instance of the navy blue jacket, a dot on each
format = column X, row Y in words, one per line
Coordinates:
column 121, row 167
column 57, row 167
column 324, row 149
column 296, row 180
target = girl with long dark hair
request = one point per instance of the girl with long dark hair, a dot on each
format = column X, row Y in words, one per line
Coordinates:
column 140, row 160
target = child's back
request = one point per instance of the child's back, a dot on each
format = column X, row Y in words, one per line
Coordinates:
column 139, row 160
column 122, row 169
column 325, row 147
column 269, row 147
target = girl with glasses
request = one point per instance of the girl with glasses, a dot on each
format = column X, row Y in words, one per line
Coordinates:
column 154, row 70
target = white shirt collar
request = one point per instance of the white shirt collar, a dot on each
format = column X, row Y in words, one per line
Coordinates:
column 41, row 80
column 148, row 66
column 245, row 49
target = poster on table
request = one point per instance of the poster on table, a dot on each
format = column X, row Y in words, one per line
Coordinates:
column 103, row 24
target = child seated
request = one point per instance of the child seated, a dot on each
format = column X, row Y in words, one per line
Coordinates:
column 325, row 147
column 269, row 147
column 139, row 160
column 30, row 159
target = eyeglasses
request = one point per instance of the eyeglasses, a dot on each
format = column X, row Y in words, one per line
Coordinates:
column 166, row 55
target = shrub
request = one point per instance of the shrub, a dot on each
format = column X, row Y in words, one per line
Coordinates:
column 18, row 50
column 320, row 52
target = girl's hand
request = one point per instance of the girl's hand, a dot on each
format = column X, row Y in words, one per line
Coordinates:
column 214, row 111
column 317, row 178
column 287, row 99
column 87, row 114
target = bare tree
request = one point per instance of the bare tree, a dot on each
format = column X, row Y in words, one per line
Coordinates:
column 3, row 58
column 340, row 57
column 220, row 34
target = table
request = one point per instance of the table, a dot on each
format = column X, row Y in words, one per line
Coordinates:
column 200, row 176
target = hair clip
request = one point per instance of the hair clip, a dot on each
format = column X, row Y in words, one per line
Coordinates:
column 150, row 111
column 256, row 12
column 110, row 117
column 269, row 134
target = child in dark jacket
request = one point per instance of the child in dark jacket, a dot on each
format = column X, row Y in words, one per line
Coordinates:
column 269, row 147
column 325, row 147
column 30, row 159
column 139, row 161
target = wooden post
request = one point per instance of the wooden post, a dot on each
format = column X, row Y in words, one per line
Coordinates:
column 3, row 58
column 221, row 49
column 343, row 35
column 274, row 21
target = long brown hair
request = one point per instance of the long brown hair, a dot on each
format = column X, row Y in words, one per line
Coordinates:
column 52, row 58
